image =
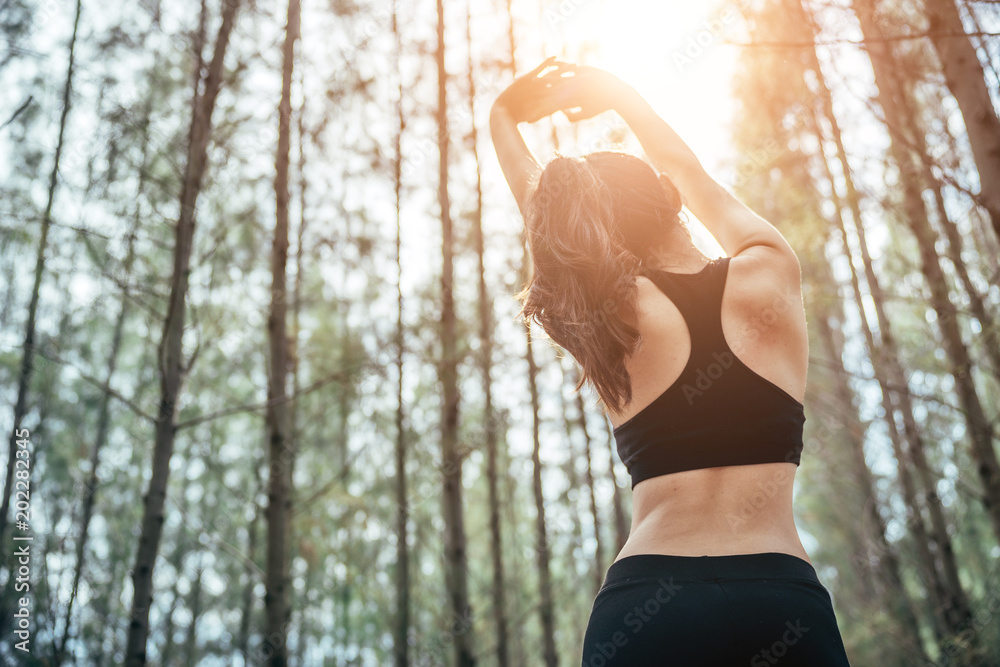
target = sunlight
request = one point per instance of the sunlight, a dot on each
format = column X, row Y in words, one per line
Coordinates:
column 671, row 52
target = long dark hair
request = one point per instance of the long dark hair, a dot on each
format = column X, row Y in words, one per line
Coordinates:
column 592, row 224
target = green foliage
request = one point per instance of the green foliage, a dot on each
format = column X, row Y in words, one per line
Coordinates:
column 111, row 255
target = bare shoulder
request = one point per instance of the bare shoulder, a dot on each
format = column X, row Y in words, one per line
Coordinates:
column 655, row 315
column 764, row 291
column 760, row 271
column 648, row 304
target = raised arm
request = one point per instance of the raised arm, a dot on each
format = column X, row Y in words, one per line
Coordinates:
column 739, row 230
column 530, row 98
column 519, row 166
column 732, row 223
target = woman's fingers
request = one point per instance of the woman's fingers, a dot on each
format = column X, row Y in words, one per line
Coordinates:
column 557, row 72
column 562, row 69
column 548, row 62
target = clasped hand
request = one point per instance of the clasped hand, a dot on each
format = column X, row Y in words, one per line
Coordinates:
column 580, row 92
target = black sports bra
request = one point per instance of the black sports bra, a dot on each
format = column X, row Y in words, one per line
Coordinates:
column 718, row 412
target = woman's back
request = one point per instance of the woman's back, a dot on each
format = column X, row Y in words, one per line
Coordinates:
column 721, row 509
column 703, row 375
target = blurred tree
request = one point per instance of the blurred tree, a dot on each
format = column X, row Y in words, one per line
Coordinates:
column 172, row 365
column 28, row 347
column 899, row 117
column 490, row 416
column 964, row 75
column 456, row 559
column 279, row 438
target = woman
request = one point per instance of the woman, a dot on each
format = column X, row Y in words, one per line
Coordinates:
column 701, row 367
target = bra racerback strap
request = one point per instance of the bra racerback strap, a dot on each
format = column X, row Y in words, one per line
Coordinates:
column 698, row 297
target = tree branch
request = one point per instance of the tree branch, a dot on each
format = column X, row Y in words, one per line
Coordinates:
column 100, row 384
column 17, row 113
column 255, row 407
column 851, row 42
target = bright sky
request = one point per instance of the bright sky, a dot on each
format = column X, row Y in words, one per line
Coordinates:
column 669, row 50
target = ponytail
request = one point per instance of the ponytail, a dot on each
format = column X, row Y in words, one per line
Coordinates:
column 583, row 275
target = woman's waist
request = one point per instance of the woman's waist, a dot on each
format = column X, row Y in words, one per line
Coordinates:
column 712, row 539
column 730, row 514
column 740, row 496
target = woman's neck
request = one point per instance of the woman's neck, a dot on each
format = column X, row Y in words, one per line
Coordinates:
column 678, row 254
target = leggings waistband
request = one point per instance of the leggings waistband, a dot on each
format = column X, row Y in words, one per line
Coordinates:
column 770, row 565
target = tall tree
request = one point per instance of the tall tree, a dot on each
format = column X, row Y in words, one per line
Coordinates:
column 621, row 523
column 941, row 567
column 456, row 560
column 295, row 344
column 900, row 120
column 888, row 582
column 401, row 644
column 248, row 598
column 595, row 513
column 28, row 348
column 276, row 600
column 546, row 609
column 498, row 588
column 877, row 353
column 966, row 80
column 104, row 408
column 172, row 365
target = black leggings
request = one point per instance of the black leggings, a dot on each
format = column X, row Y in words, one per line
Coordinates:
column 747, row 609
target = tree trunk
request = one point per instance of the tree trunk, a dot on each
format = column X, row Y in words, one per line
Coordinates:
column 900, row 120
column 888, row 579
column 456, row 564
column 27, row 358
column 276, row 599
column 194, row 605
column 294, row 345
column 545, row 606
column 936, row 587
column 401, row 644
column 167, row 654
column 965, row 78
column 170, row 358
column 953, row 605
column 246, row 615
column 103, row 410
column 621, row 523
column 574, row 543
column 498, row 589
column 589, row 476
column 977, row 304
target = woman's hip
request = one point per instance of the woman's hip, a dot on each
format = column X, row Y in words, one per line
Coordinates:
column 756, row 609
